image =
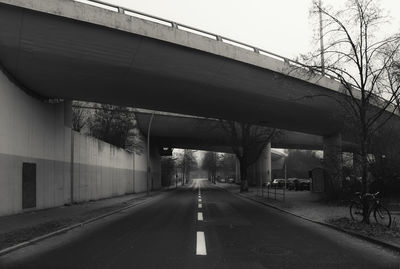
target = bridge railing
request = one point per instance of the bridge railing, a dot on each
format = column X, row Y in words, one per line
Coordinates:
column 194, row 30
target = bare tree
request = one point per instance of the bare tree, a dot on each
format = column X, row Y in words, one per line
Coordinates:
column 79, row 116
column 113, row 124
column 227, row 164
column 210, row 164
column 247, row 142
column 168, row 170
column 365, row 64
column 187, row 162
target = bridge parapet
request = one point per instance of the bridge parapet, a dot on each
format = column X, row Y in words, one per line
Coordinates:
column 187, row 28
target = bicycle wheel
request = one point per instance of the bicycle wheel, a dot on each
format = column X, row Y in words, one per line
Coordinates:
column 382, row 216
column 356, row 211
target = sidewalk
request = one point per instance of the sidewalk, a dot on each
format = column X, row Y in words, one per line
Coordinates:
column 19, row 228
column 310, row 206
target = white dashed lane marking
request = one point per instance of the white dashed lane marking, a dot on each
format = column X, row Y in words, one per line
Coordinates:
column 201, row 244
column 200, row 216
column 200, row 240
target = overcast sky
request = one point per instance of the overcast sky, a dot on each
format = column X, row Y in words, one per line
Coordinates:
column 280, row 26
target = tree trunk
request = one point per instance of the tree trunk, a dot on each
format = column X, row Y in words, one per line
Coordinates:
column 364, row 165
column 244, row 187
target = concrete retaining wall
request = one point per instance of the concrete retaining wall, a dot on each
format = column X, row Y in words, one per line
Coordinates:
column 100, row 169
column 141, row 169
column 34, row 132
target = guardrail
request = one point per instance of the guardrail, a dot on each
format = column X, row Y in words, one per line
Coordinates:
column 194, row 30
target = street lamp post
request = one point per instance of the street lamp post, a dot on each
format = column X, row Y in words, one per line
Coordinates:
column 284, row 189
column 148, row 153
column 321, row 36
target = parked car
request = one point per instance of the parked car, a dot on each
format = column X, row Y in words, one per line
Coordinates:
column 292, row 183
column 231, row 180
column 304, row 184
column 298, row 184
column 278, row 183
column 221, row 180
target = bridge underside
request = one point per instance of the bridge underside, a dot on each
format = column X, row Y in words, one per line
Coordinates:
column 206, row 134
column 59, row 57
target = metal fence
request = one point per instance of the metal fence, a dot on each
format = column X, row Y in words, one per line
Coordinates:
column 272, row 192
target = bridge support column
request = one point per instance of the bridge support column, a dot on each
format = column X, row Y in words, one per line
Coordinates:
column 268, row 163
column 333, row 164
column 155, row 164
column 260, row 172
column 69, row 143
column 237, row 171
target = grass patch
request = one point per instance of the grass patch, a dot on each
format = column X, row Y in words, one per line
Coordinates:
column 28, row 233
column 373, row 230
column 18, row 236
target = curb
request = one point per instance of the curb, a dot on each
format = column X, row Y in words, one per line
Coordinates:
column 68, row 228
column 390, row 246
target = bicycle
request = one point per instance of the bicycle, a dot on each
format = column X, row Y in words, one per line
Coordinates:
column 381, row 214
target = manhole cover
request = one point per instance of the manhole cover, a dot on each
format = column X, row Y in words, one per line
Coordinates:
column 272, row 250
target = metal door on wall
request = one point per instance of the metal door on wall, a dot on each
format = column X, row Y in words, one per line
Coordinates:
column 28, row 185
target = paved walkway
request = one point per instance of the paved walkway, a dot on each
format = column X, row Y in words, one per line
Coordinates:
column 15, row 229
column 311, row 206
column 33, row 218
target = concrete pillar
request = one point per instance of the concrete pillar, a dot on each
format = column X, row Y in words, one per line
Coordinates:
column 155, row 164
column 261, row 171
column 268, row 161
column 68, row 125
column 237, row 171
column 265, row 167
column 333, row 163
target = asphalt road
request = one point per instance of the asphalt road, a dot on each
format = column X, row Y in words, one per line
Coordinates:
column 163, row 233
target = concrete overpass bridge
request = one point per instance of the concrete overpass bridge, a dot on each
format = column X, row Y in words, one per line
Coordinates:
column 68, row 50
column 183, row 131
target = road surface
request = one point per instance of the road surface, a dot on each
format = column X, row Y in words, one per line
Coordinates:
column 201, row 226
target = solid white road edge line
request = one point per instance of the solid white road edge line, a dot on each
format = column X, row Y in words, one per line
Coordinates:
column 201, row 244
column 200, row 216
